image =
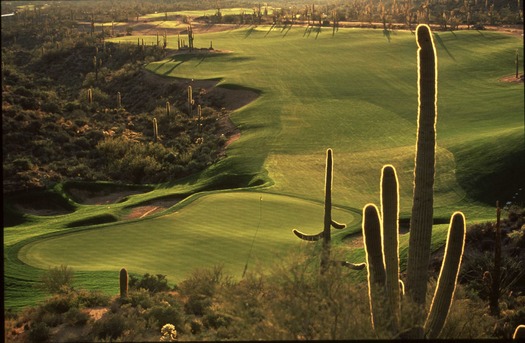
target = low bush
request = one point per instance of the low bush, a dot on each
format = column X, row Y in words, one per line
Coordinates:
column 57, row 279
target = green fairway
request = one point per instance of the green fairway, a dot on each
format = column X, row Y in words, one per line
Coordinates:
column 355, row 92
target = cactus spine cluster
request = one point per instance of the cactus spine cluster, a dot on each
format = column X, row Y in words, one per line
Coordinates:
column 123, row 283
column 380, row 231
column 328, row 221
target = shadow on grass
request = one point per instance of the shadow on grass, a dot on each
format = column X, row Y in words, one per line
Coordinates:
column 442, row 44
column 96, row 220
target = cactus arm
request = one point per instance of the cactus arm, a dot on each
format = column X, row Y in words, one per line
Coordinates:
column 390, row 216
column 308, row 237
column 422, row 212
column 354, row 266
column 519, row 333
column 374, row 261
column 337, row 225
column 448, row 276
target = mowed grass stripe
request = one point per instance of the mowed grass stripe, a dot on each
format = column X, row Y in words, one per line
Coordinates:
column 214, row 229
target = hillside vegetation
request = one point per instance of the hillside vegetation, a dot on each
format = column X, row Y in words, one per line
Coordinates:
column 100, row 174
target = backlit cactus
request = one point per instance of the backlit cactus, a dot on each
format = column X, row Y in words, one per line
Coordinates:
column 328, row 221
column 123, row 283
column 381, row 231
column 381, row 239
column 90, row 96
column 424, row 170
column 168, row 108
column 448, row 276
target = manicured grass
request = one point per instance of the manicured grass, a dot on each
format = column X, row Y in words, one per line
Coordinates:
column 213, row 229
column 355, row 92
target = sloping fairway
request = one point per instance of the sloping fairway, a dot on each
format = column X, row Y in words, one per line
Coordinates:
column 356, row 92
column 214, row 229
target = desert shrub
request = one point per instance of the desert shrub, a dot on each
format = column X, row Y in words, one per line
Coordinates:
column 476, row 263
column 153, row 283
column 200, row 288
column 76, row 317
column 110, row 326
column 57, row 279
column 39, row 332
column 87, row 298
column 167, row 314
column 140, row 297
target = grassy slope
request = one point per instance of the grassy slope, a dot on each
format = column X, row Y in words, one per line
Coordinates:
column 354, row 92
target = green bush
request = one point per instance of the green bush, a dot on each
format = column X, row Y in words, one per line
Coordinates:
column 57, row 279
column 152, row 283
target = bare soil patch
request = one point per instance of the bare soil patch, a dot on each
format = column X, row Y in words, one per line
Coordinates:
column 151, row 208
column 513, row 79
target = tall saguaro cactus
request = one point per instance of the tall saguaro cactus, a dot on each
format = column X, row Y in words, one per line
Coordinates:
column 155, row 131
column 448, row 276
column 379, row 231
column 380, row 234
column 191, row 101
column 424, row 170
column 328, row 221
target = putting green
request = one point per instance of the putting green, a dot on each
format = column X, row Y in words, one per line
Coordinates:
column 214, row 229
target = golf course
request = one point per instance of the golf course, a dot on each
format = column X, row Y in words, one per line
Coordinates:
column 351, row 90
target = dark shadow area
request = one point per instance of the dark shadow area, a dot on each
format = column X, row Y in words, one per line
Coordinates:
column 96, row 220
column 170, row 200
column 249, row 32
column 318, row 30
column 270, row 30
column 92, row 193
column 39, row 203
column 442, row 44
column 288, row 30
column 386, row 33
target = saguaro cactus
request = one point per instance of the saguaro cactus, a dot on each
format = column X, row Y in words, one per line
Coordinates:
column 90, row 96
column 155, row 131
column 328, row 221
column 381, row 240
column 168, row 108
column 191, row 101
column 382, row 252
column 448, row 276
column 424, row 170
column 123, row 283
column 119, row 100
column 420, row 225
